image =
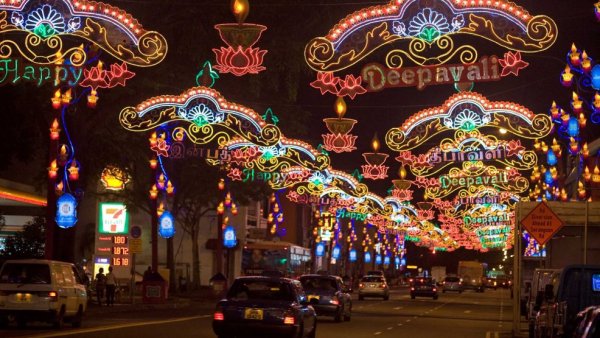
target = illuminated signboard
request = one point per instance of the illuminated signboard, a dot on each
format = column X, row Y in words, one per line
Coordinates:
column 166, row 223
column 320, row 251
column 114, row 219
column 66, row 211
column 229, row 237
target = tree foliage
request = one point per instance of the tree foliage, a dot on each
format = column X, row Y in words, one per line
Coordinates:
column 28, row 243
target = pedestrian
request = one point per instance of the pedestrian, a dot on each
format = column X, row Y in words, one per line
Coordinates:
column 100, row 285
column 147, row 274
column 111, row 286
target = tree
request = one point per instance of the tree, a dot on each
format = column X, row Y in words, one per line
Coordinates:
column 28, row 243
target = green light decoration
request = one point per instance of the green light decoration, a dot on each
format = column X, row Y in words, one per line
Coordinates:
column 207, row 76
column 270, row 117
column 429, row 34
column 322, row 150
column 44, row 30
column 268, row 155
column 357, row 175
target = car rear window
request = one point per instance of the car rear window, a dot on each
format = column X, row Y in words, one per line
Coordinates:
column 14, row 273
column 452, row 279
column 260, row 290
column 316, row 283
column 372, row 279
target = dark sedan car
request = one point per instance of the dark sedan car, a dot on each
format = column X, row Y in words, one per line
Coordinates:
column 423, row 287
column 328, row 295
column 265, row 307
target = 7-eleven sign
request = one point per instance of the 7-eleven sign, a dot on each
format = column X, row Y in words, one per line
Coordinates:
column 114, row 219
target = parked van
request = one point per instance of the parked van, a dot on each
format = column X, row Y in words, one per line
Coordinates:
column 578, row 288
column 41, row 290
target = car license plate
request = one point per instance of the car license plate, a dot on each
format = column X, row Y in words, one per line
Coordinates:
column 23, row 297
column 372, row 285
column 254, row 314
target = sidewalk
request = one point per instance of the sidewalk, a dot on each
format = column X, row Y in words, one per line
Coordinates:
column 202, row 298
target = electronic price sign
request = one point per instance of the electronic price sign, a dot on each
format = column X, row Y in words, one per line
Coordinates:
column 112, row 239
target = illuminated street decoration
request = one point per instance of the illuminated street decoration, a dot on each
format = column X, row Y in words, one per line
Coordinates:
column 432, row 33
column 44, row 33
column 328, row 83
column 166, row 225
column 240, row 57
column 66, row 211
column 209, row 117
column 378, row 77
column 375, row 168
column 467, row 112
column 585, row 75
column 339, row 138
column 229, row 237
column 113, row 178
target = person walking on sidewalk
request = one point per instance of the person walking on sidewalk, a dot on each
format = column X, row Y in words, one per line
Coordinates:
column 111, row 286
column 100, row 285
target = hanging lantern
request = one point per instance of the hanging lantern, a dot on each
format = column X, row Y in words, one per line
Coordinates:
column 367, row 257
column 374, row 169
column 596, row 175
column 92, row 99
column 586, row 62
column 54, row 130
column 352, row 255
column 56, row 101
column 228, row 200
column 229, row 237
column 59, row 188
column 234, row 210
column 335, row 253
column 73, row 171
column 386, row 260
column 66, row 97
column 573, row 127
column 339, row 140
column 587, row 175
column 53, row 170
column 170, row 189
column 221, row 184
column 239, row 58
column 160, row 182
column 585, row 151
column 581, row 190
column 160, row 209
column 551, row 157
column 220, row 209
column 378, row 260
column 62, row 155
column 574, row 56
column 153, row 163
column 566, row 77
column 66, row 211
column 153, row 192
column 576, row 103
column 320, row 249
column 153, row 140
column 166, row 225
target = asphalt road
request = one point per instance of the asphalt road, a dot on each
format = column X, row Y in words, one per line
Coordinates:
column 465, row 315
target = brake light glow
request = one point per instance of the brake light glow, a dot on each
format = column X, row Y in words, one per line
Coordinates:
column 434, row 289
column 289, row 320
column 53, row 296
column 361, row 285
column 219, row 316
column 412, row 289
column 334, row 301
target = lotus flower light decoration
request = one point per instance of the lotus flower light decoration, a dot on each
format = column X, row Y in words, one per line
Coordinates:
column 401, row 189
column 240, row 57
column 375, row 168
column 339, row 138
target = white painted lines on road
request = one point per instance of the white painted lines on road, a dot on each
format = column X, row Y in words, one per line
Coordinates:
column 467, row 311
column 399, row 324
column 408, row 320
column 491, row 334
column 389, row 328
column 118, row 326
column 377, row 333
column 398, row 308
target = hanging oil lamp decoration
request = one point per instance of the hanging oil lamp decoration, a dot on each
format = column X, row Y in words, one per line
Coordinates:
column 239, row 57
column 401, row 189
column 339, row 138
column 375, row 168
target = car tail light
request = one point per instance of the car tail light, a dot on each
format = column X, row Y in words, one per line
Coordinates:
column 53, row 295
column 218, row 316
column 361, row 285
column 412, row 289
column 434, row 289
column 334, row 301
column 289, row 320
column 384, row 285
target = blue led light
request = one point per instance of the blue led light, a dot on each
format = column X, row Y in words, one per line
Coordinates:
column 352, row 255
column 336, row 251
column 166, row 225
column 229, row 237
column 367, row 257
column 573, row 127
column 320, row 250
column 66, row 211
column 551, row 157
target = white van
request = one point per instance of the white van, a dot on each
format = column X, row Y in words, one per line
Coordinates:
column 41, row 290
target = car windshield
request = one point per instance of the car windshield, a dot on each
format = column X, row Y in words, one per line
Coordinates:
column 318, row 283
column 452, row 279
column 370, row 279
column 14, row 273
column 252, row 289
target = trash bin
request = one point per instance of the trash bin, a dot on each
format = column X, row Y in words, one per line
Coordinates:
column 154, row 292
column 218, row 285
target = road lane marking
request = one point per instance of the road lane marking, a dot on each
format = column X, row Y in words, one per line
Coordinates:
column 467, row 311
column 399, row 324
column 377, row 333
column 398, row 308
column 117, row 326
column 408, row 320
column 389, row 328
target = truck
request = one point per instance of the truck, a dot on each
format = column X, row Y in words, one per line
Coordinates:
column 438, row 273
column 472, row 274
